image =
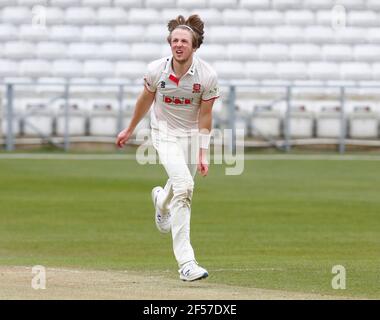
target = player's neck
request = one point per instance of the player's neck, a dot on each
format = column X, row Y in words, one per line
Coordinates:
column 180, row 68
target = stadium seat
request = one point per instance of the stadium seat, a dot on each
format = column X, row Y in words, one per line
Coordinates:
column 114, row 51
column 131, row 69
column 67, row 68
column 80, row 15
column 373, row 5
column 83, row 86
column 168, row 14
column 16, row 15
column 363, row 123
column 286, row 4
column 351, row 35
column 260, row 70
column 145, row 51
column 27, row 33
column 129, row 33
column 291, row 70
column 301, row 123
column 376, row 72
column 30, row 3
column 190, row 4
column 128, row 3
column 103, row 120
column 324, row 17
column 266, row 122
column 112, row 85
column 51, row 50
column 97, row 33
column 112, row 16
column 222, row 4
column 156, row 33
column 286, row 34
column 98, row 68
column 237, row 17
column 159, row 4
column 305, row 52
column 367, row 52
column 328, row 123
column 356, row 71
column 6, row 3
column 337, row 52
column 319, row 34
column 19, row 50
column 38, row 120
column 317, row 4
column 77, row 120
column 273, row 52
column 223, row 34
column 299, row 17
column 242, row 52
column 8, row 68
column 8, row 32
column 63, row 3
column 65, row 33
column 323, row 71
column 363, row 18
column 254, row 4
column 229, row 70
column 143, row 16
column 212, row 52
column 35, row 68
column 351, row 4
column 96, row 3
column 165, row 50
column 373, row 35
column 54, row 16
column 50, row 85
column 256, row 35
column 83, row 50
column 210, row 16
column 268, row 17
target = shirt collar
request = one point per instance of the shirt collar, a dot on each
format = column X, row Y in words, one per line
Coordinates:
column 191, row 70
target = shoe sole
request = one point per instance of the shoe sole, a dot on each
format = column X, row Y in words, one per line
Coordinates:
column 203, row 276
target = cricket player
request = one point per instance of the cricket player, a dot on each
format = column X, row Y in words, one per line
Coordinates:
column 182, row 89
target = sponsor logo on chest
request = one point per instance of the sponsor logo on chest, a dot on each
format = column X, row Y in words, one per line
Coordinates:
column 173, row 100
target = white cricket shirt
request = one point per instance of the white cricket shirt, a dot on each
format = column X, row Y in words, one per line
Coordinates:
column 177, row 101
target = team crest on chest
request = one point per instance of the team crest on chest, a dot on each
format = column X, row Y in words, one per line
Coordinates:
column 196, row 88
column 162, row 84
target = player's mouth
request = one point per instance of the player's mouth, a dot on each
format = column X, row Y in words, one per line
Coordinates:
column 179, row 52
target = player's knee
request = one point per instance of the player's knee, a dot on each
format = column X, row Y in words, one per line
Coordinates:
column 183, row 189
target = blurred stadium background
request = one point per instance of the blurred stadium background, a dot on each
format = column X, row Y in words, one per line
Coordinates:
column 293, row 72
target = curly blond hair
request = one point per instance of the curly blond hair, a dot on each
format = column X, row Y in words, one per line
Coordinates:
column 193, row 22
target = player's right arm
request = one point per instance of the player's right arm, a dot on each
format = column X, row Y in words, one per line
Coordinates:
column 143, row 104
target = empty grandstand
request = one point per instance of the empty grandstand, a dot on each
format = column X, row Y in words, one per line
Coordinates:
column 292, row 71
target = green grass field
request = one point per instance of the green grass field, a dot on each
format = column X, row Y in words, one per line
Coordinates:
column 280, row 225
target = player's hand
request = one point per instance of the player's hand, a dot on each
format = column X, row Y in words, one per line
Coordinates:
column 203, row 163
column 123, row 137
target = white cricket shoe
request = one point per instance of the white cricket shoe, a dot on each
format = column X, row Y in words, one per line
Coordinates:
column 163, row 220
column 191, row 271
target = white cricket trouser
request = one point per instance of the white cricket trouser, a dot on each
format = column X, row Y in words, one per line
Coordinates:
column 179, row 156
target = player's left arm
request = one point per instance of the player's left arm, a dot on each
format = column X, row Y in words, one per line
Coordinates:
column 205, row 125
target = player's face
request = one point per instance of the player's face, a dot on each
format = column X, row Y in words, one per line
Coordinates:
column 181, row 45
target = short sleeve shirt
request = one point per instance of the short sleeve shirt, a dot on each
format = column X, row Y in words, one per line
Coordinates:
column 177, row 101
